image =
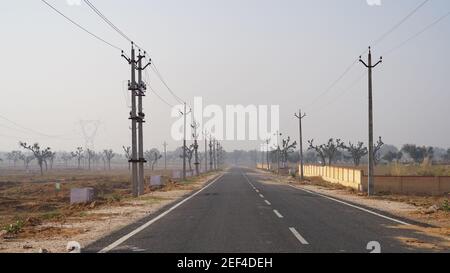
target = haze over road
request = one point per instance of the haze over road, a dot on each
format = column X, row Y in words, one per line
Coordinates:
column 242, row 211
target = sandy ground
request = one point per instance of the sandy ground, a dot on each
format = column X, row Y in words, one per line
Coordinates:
column 436, row 224
column 95, row 223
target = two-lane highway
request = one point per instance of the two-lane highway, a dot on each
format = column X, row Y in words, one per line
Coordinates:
column 237, row 213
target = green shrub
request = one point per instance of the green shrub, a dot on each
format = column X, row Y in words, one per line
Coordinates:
column 14, row 228
column 446, row 206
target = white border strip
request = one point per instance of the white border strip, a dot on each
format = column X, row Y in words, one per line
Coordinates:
column 353, row 206
column 298, row 236
column 146, row 225
column 277, row 213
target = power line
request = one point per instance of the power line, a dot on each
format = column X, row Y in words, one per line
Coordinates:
column 81, row 27
column 155, row 69
column 345, row 91
column 26, row 130
column 326, row 91
column 160, row 98
column 99, row 13
column 377, row 41
column 417, row 34
column 382, row 37
column 147, row 81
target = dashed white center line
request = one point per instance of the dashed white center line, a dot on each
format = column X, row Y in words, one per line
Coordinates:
column 277, row 213
column 267, row 202
column 262, row 196
column 257, row 190
column 298, row 236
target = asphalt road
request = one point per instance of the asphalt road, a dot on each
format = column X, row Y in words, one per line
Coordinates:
column 240, row 214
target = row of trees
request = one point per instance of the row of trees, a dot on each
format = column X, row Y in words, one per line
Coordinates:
column 45, row 157
column 337, row 151
column 327, row 152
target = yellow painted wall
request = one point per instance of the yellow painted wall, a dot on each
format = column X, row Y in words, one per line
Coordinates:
column 354, row 178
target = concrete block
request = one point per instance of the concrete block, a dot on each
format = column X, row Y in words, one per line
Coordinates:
column 82, row 195
column 156, row 180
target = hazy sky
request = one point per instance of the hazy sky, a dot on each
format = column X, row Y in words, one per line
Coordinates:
column 282, row 52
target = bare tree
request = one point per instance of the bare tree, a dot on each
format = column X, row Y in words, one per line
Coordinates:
column 14, row 156
column 79, row 154
column 447, row 156
column 96, row 158
column 51, row 159
column 376, row 151
column 109, row 155
column 391, row 156
column 356, row 152
column 418, row 154
column 27, row 158
column 90, row 156
column 318, row 150
column 40, row 155
column 66, row 157
column 328, row 150
column 287, row 148
column 189, row 155
column 127, row 151
column 152, row 157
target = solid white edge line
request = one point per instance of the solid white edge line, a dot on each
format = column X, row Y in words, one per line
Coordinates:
column 354, row 206
column 298, row 236
column 144, row 226
column 277, row 213
column 267, row 202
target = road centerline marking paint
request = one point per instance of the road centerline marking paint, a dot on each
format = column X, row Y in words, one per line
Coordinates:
column 146, row 225
column 267, row 202
column 277, row 213
column 262, row 196
column 354, row 206
column 298, row 236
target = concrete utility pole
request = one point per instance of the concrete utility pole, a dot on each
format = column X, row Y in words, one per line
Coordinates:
column 370, row 186
column 214, row 154
column 267, row 153
column 140, row 120
column 165, row 155
column 210, row 154
column 194, row 134
column 217, row 154
column 133, row 87
column 205, row 135
column 299, row 116
column 185, row 113
column 262, row 154
column 278, row 151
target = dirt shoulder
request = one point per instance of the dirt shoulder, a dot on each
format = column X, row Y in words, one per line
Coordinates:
column 86, row 224
column 430, row 213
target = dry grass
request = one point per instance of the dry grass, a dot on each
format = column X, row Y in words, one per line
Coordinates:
column 413, row 170
column 27, row 201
